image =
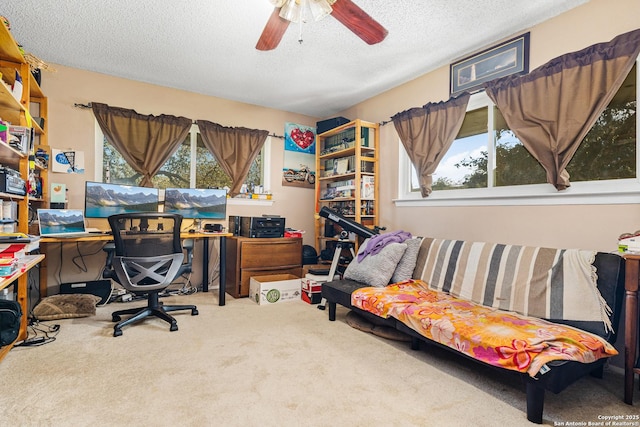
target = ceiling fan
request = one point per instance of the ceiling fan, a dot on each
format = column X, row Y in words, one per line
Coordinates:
column 345, row 11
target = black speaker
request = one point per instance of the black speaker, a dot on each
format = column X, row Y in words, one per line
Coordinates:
column 235, row 225
column 100, row 288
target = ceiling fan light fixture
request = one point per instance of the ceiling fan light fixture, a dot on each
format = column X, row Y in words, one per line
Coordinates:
column 319, row 9
column 300, row 11
column 290, row 11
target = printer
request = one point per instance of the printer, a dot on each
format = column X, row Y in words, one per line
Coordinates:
column 257, row 226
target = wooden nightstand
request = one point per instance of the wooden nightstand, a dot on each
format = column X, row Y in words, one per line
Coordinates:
column 248, row 257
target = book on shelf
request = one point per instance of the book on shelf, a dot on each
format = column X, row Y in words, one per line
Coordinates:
column 367, row 189
column 12, row 250
column 366, row 166
column 8, row 266
column 341, row 166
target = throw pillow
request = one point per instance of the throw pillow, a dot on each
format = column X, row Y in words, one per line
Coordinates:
column 376, row 270
column 404, row 270
column 66, row 306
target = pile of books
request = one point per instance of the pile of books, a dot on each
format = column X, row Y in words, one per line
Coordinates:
column 10, row 254
column 13, row 248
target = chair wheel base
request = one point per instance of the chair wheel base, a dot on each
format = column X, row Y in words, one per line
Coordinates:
column 160, row 311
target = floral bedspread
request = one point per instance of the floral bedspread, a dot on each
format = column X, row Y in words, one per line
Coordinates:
column 497, row 337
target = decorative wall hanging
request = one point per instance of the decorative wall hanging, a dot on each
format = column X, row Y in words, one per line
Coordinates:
column 510, row 57
column 58, row 193
column 67, row 161
column 299, row 156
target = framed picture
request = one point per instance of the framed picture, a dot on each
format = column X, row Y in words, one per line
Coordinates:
column 510, row 57
column 299, row 156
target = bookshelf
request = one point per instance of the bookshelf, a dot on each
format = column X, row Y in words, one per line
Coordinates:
column 23, row 140
column 347, row 178
column 24, row 113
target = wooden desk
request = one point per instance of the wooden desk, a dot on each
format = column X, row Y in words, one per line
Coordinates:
column 24, row 265
column 631, row 365
column 107, row 238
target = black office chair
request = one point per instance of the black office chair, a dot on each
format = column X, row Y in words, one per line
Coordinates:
column 148, row 256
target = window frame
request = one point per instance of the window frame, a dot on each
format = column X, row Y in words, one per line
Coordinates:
column 617, row 191
column 193, row 138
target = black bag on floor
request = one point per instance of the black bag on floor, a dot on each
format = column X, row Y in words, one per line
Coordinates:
column 10, row 316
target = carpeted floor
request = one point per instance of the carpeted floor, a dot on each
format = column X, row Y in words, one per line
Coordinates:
column 279, row 365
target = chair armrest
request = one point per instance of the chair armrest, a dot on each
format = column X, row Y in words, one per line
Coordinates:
column 187, row 245
column 107, row 271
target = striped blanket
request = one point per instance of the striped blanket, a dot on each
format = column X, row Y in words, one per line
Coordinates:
column 533, row 281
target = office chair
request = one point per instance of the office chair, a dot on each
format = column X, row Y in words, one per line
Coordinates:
column 148, row 256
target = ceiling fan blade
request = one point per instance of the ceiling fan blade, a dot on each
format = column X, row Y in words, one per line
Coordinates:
column 273, row 31
column 358, row 21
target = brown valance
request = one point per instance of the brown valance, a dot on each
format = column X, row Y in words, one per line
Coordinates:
column 145, row 142
column 552, row 108
column 428, row 132
column 235, row 149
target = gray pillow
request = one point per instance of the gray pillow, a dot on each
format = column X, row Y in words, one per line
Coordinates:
column 404, row 270
column 376, row 270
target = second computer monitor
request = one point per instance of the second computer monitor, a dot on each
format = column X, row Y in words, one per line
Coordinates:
column 196, row 203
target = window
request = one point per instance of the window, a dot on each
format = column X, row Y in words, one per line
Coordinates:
column 465, row 164
column 487, row 161
column 191, row 166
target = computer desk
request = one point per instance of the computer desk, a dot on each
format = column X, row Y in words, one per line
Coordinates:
column 99, row 237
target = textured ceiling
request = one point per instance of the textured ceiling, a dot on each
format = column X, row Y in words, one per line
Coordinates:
column 208, row 46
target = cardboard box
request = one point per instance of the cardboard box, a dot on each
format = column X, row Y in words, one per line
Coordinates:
column 311, row 286
column 266, row 290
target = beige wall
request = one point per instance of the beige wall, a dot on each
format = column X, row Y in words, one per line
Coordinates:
column 583, row 226
column 72, row 127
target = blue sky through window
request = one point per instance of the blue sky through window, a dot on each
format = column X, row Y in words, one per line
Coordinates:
column 462, row 148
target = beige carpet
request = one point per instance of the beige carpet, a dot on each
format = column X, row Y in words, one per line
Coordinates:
column 280, row 365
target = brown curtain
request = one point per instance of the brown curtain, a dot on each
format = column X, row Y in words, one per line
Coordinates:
column 145, row 142
column 428, row 132
column 234, row 148
column 552, row 108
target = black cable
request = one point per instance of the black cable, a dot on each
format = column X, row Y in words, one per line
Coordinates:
column 49, row 332
column 82, row 267
column 60, row 265
column 81, row 256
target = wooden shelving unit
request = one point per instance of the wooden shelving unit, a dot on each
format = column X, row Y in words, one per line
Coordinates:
column 347, row 177
column 20, row 112
column 33, row 103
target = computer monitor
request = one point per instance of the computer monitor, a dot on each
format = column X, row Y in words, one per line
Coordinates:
column 102, row 200
column 196, row 203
